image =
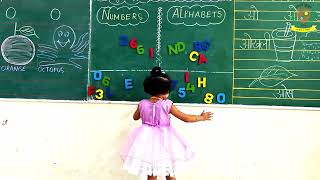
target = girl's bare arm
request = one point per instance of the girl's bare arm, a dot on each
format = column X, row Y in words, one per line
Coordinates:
column 188, row 117
column 136, row 115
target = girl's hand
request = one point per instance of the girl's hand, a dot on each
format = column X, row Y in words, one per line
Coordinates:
column 206, row 116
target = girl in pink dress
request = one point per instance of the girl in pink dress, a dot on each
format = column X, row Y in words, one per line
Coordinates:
column 155, row 148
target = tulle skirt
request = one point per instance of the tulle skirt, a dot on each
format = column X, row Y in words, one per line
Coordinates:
column 155, row 151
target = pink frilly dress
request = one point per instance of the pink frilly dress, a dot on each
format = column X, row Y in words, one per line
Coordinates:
column 155, row 148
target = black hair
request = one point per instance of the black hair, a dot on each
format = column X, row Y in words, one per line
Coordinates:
column 157, row 83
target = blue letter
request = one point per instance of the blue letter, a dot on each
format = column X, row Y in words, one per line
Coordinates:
column 97, row 75
column 128, row 83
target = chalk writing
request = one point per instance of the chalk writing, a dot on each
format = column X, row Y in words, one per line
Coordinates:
column 196, row 15
column 58, row 70
column 253, row 13
column 310, row 51
column 284, row 93
column 249, row 43
column 292, row 14
column 122, row 16
column 9, row 68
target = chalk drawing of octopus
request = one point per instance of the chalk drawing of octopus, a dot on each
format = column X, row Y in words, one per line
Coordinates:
column 65, row 50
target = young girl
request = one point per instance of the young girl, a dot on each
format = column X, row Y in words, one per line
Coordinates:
column 155, row 148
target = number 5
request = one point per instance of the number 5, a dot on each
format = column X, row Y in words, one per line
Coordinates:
column 182, row 92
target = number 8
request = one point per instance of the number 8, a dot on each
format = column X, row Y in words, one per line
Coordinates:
column 208, row 98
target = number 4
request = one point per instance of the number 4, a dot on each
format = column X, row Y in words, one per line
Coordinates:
column 190, row 87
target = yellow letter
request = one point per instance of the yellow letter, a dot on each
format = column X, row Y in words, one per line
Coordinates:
column 202, row 82
column 99, row 94
column 191, row 55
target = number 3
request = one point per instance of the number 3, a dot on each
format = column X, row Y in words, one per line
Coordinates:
column 99, row 94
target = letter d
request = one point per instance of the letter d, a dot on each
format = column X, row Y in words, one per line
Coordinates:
column 181, row 46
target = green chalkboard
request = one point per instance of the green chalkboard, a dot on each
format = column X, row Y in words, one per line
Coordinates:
column 276, row 53
column 262, row 52
column 44, row 49
column 171, row 29
column 254, row 52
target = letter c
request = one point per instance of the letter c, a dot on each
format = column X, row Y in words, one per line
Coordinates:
column 192, row 54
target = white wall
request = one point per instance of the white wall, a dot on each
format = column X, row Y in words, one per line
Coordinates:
column 80, row 141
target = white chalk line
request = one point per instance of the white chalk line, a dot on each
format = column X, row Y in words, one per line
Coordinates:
column 148, row 70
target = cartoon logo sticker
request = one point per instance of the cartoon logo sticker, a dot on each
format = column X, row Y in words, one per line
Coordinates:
column 306, row 18
column 303, row 13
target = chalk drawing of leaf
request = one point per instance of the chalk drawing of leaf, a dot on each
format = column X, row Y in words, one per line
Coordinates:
column 28, row 31
column 272, row 76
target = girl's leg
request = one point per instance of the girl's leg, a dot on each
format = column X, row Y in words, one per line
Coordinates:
column 152, row 177
column 170, row 178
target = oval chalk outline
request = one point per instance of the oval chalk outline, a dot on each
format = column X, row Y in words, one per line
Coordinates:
column 14, row 12
column 55, row 10
column 125, row 2
column 190, row 7
column 110, row 7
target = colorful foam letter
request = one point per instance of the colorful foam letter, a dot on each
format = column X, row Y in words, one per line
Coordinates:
column 99, row 94
column 123, row 40
column 151, row 53
column 221, row 98
column 108, row 93
column 192, row 54
column 97, row 75
column 174, row 84
column 202, row 59
column 186, row 76
column 128, row 84
column 91, row 90
column 197, row 46
column 202, row 82
column 106, row 81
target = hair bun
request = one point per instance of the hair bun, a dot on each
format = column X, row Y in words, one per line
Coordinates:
column 156, row 71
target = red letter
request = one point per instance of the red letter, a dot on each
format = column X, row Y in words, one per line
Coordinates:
column 202, row 59
column 91, row 90
column 186, row 77
column 151, row 53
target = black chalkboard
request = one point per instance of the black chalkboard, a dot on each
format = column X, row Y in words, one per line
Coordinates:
column 44, row 49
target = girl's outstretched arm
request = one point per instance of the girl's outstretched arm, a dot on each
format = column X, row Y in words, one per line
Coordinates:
column 188, row 117
column 136, row 115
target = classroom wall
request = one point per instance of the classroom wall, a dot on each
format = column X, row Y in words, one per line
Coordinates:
column 80, row 141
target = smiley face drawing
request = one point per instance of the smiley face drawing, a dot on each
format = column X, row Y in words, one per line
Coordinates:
column 64, row 37
column 66, row 51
